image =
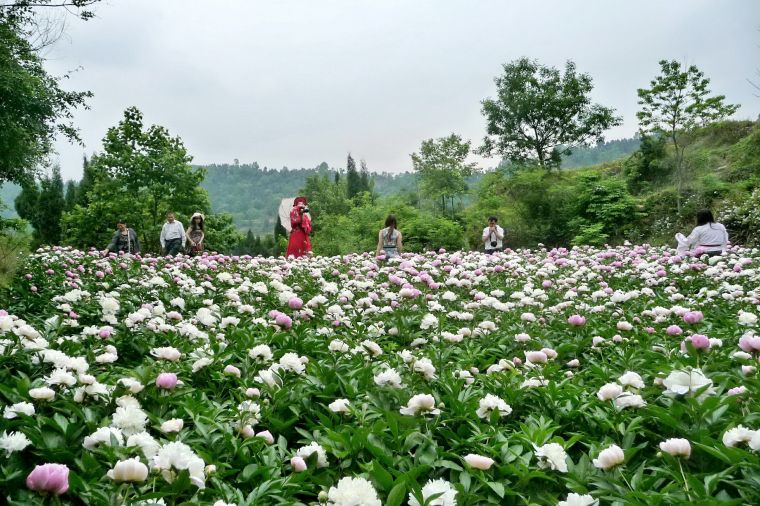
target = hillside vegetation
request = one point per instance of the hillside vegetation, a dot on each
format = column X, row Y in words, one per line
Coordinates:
column 632, row 198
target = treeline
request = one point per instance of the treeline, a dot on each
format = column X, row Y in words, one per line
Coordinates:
column 251, row 194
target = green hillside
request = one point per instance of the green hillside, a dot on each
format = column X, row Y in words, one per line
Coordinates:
column 633, row 198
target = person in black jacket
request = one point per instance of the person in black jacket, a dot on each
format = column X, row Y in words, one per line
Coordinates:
column 124, row 240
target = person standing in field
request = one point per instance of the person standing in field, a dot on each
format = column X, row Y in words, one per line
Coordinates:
column 493, row 235
column 195, row 234
column 172, row 236
column 123, row 241
column 389, row 239
column 299, row 243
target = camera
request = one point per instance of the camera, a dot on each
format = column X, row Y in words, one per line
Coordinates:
column 493, row 244
column 304, row 209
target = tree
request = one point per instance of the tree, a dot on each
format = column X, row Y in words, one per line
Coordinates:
column 34, row 107
column 540, row 114
column 353, row 179
column 141, row 174
column 677, row 102
column 441, row 169
column 43, row 207
column 367, row 181
column 24, row 10
column 71, row 195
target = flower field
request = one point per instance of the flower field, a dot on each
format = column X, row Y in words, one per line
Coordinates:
column 625, row 375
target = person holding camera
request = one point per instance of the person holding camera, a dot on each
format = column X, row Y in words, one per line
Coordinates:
column 300, row 228
column 493, row 235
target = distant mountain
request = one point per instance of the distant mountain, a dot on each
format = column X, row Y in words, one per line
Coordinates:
column 252, row 194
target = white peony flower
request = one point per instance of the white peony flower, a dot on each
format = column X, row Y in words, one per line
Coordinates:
column 420, row 404
column 42, row 394
column 145, row 442
column 339, row 406
column 551, row 456
column 491, row 403
column 609, row 392
column 425, row 367
column 129, row 419
column 167, row 353
column 677, row 447
column 306, row 451
column 104, row 435
column 130, row 470
column 20, row 408
column 13, row 442
column 738, row 435
column 353, row 492
column 631, row 379
column 388, row 378
column 177, row 456
column 443, row 489
column 172, row 425
column 685, row 382
column 629, row 400
column 609, row 458
column 574, row 499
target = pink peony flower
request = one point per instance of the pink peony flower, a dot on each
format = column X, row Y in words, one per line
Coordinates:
column 232, row 370
column 692, row 317
column 283, row 320
column 478, row 461
column 576, row 320
column 295, row 303
column 700, row 342
column 674, row 330
column 298, row 464
column 166, row 380
column 49, row 478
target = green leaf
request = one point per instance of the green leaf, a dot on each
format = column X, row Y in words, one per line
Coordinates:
column 383, row 478
column 397, row 495
column 498, row 488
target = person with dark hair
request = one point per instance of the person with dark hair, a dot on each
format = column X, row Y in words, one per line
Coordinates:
column 124, row 240
column 389, row 239
column 172, row 236
column 300, row 228
column 708, row 236
column 195, row 234
column 493, row 235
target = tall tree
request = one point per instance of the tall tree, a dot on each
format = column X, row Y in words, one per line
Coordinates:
column 353, row 179
column 141, row 174
column 441, row 169
column 677, row 102
column 71, row 195
column 34, row 106
column 541, row 114
column 43, row 207
column 367, row 182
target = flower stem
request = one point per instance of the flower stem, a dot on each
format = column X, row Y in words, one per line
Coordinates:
column 685, row 483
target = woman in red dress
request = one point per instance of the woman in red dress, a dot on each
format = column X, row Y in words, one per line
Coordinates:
column 300, row 228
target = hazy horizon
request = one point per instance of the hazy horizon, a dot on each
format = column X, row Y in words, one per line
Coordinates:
column 296, row 83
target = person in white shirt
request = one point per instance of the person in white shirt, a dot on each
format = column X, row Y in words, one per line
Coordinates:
column 493, row 235
column 708, row 236
column 172, row 236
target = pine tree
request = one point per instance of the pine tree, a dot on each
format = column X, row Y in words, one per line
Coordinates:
column 353, row 179
column 51, row 205
column 87, row 182
column 366, row 180
column 42, row 206
column 71, row 194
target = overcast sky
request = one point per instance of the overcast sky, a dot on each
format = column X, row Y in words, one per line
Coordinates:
column 297, row 82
